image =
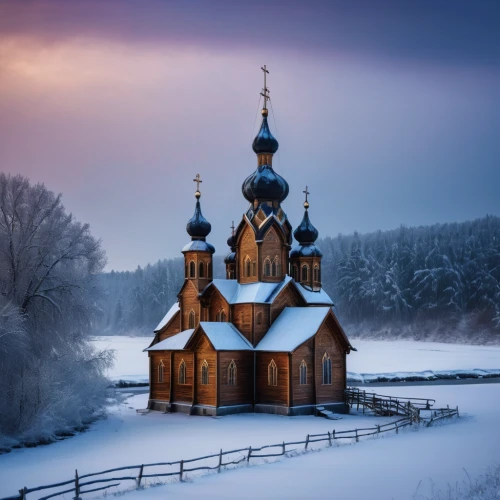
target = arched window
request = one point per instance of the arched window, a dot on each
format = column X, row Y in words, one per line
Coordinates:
column 316, row 273
column 160, row 372
column 254, row 268
column 223, row 315
column 295, row 273
column 267, row 267
column 274, row 268
column 201, row 272
column 272, row 373
column 305, row 273
column 259, row 318
column 209, row 271
column 327, row 369
column 303, row 373
column 247, row 267
column 186, row 275
column 182, row 372
column 204, row 372
column 192, row 318
column 192, row 270
column 231, row 373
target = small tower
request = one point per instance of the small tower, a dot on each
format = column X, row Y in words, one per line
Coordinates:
column 305, row 258
column 198, row 253
column 230, row 259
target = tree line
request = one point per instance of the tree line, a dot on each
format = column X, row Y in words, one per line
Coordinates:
column 445, row 274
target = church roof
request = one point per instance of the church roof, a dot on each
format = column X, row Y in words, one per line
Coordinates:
column 171, row 313
column 175, row 343
column 198, row 246
column 314, row 297
column 293, row 327
column 225, row 337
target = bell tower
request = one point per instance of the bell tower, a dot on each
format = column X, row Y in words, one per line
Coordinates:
column 305, row 258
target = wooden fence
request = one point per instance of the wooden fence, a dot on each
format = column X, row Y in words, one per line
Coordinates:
column 79, row 485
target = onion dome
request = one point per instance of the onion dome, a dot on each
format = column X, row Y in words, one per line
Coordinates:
column 265, row 142
column 306, row 232
column 198, row 227
column 265, row 185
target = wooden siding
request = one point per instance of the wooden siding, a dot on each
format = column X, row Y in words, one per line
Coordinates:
column 260, row 311
column 198, row 257
column 271, row 248
column 189, row 301
column 326, row 341
column 242, row 319
column 182, row 392
column 206, row 394
column 159, row 390
column 246, row 246
column 172, row 328
column 242, row 392
column 217, row 302
column 303, row 394
column 270, row 394
column 288, row 297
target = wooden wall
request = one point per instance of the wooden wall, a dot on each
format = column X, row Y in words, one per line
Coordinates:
column 217, row 302
column 157, row 389
column 261, row 311
column 288, row 297
column 172, row 328
column 242, row 392
column 268, row 394
column 271, row 247
column 326, row 341
column 188, row 301
column 242, row 319
column 182, row 392
column 206, row 394
column 303, row 394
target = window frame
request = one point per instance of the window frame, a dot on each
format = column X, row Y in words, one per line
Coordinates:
column 204, row 373
column 232, row 373
column 272, row 374
column 303, row 373
column 182, row 375
column 161, row 372
column 326, row 364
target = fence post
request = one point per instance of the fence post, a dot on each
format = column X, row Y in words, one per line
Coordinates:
column 220, row 461
column 357, row 438
column 397, row 429
column 329, row 438
column 458, row 415
column 307, row 441
column 181, row 472
column 139, row 478
column 77, row 486
column 249, row 454
column 364, row 401
column 22, row 493
column 378, row 429
column 283, row 448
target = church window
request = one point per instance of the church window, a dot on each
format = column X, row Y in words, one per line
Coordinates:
column 223, row 315
column 316, row 273
column 160, row 372
column 259, row 318
column 209, row 271
column 327, row 369
column 204, row 372
column 295, row 273
column 267, row 267
column 231, row 373
column 305, row 272
column 303, row 373
column 254, row 268
column 192, row 317
column 272, row 373
column 201, row 272
column 182, row 372
column 247, row 267
column 192, row 269
column 186, row 275
column 274, row 268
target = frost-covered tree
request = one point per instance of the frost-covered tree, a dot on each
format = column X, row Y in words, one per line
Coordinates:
column 50, row 377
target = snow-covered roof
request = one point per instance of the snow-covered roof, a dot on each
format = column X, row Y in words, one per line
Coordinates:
column 225, row 337
column 198, row 246
column 171, row 313
column 257, row 293
column 174, row 343
column 319, row 297
column 293, row 327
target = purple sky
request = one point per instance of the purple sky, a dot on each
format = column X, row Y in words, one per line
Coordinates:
column 388, row 111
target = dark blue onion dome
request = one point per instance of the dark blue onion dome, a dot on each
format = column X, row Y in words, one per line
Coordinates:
column 306, row 232
column 265, row 185
column 265, row 142
column 198, row 227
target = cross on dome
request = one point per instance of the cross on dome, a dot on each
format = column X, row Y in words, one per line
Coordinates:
column 197, row 179
column 265, row 91
column 306, row 203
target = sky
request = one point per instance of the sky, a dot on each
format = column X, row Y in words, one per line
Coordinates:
column 388, row 111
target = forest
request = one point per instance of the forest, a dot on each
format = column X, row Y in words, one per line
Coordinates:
column 439, row 282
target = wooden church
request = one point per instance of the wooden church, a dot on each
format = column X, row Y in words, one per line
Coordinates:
column 266, row 338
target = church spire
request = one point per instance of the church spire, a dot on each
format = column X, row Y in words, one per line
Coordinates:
column 198, row 227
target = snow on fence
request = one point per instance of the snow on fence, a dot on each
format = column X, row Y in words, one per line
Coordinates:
column 410, row 408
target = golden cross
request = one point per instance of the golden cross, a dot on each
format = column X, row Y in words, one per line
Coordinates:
column 197, row 179
column 306, row 192
column 265, row 90
column 232, row 228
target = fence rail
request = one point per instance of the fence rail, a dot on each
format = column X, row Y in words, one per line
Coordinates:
column 178, row 468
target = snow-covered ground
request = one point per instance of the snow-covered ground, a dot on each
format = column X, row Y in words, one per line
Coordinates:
column 387, row 467
column 373, row 357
